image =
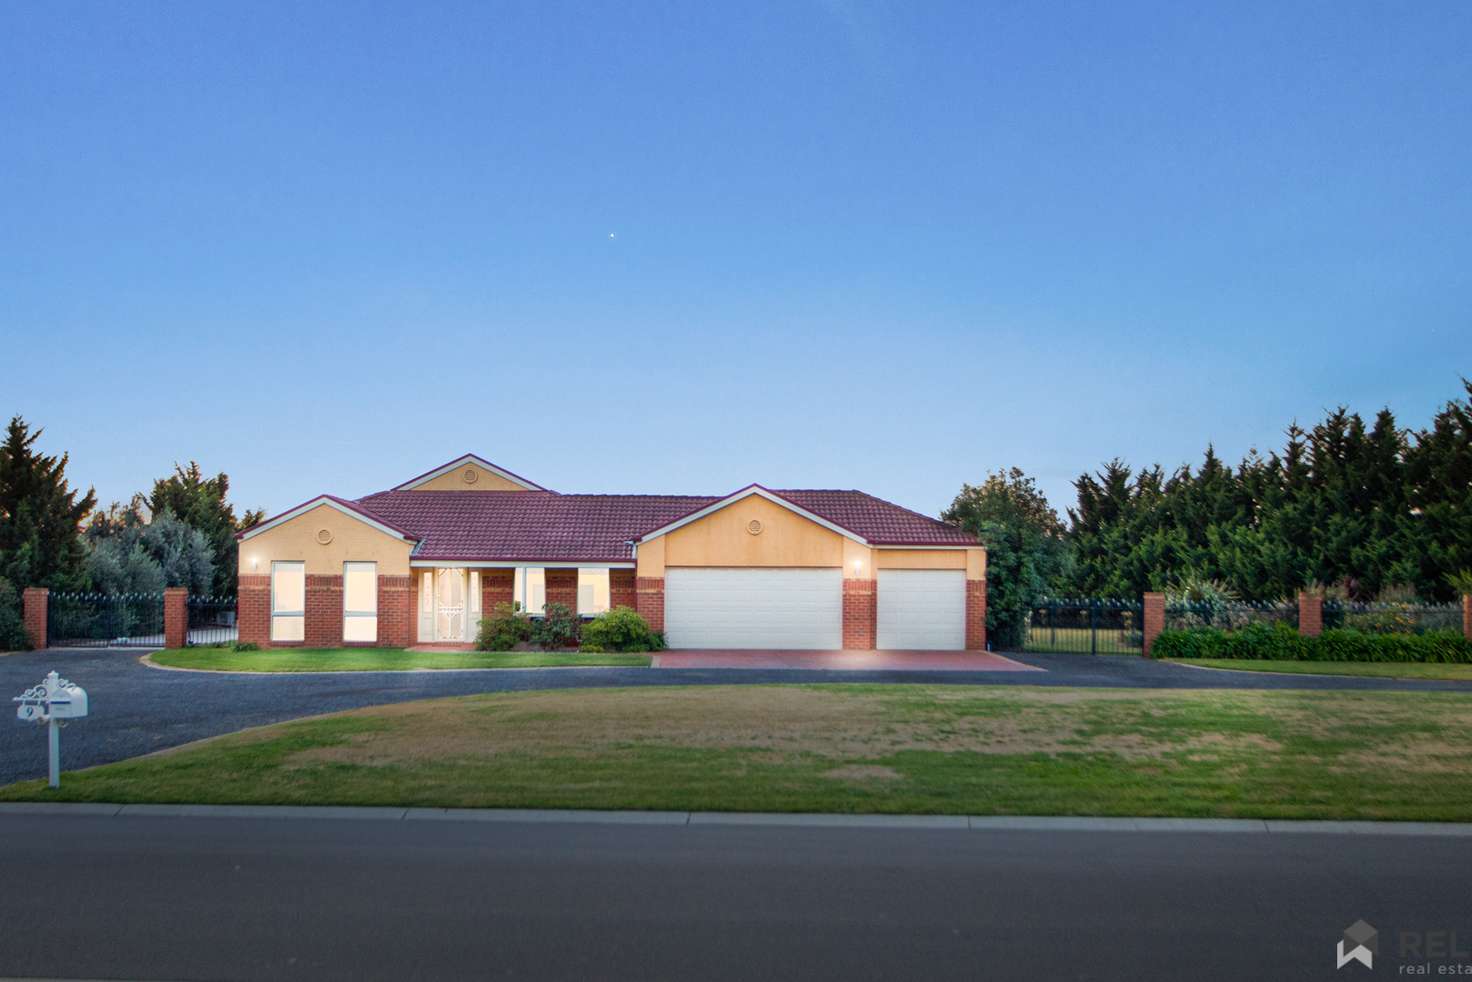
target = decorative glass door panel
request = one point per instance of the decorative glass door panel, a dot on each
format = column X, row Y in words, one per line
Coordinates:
column 449, row 595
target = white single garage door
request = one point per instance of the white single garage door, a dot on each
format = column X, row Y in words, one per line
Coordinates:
column 921, row 609
column 753, row 608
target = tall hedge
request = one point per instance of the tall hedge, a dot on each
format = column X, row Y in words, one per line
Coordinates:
column 1280, row 642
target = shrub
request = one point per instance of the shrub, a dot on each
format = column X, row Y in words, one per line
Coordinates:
column 245, row 646
column 620, row 629
column 558, row 627
column 13, row 635
column 1280, row 642
column 504, row 629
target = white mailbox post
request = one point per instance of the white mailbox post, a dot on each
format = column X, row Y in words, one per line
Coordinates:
column 54, row 700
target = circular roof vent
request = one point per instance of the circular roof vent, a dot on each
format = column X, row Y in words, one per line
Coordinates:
column 754, row 527
column 324, row 536
column 470, row 476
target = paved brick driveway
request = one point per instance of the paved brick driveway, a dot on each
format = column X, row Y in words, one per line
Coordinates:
column 137, row 710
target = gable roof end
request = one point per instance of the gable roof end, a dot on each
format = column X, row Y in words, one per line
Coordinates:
column 747, row 492
column 459, row 462
column 348, row 508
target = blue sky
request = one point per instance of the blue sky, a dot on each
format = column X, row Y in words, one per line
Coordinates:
column 682, row 247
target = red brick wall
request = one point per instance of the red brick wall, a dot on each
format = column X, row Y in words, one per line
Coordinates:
column 497, row 586
column 34, row 601
column 649, row 600
column 1310, row 614
column 562, row 588
column 253, row 609
column 1154, row 619
column 397, row 613
column 324, row 611
column 976, row 615
column 622, row 591
column 176, row 617
column 860, row 613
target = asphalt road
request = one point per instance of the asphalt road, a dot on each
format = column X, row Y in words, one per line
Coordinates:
column 215, row 898
column 136, row 710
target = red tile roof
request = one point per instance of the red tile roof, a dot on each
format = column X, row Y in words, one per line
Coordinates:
column 544, row 526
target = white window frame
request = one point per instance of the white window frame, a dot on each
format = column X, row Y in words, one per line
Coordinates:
column 359, row 616
column 282, row 616
column 522, row 589
column 607, row 592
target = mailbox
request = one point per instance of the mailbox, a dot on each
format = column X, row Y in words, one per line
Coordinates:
column 69, row 702
column 54, row 700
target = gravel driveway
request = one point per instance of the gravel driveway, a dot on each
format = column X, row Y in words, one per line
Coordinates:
column 136, row 709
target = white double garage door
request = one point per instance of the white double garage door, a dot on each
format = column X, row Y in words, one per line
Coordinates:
column 803, row 608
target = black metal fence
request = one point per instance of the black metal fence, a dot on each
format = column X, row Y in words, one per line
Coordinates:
column 102, row 620
column 1086, row 627
column 1181, row 616
column 212, row 621
column 1392, row 618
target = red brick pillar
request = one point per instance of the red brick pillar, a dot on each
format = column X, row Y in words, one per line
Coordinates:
column 1154, row 610
column 497, row 586
column 176, row 617
column 34, row 601
column 622, row 591
column 860, row 605
column 397, row 612
column 976, row 615
column 1467, row 616
column 1310, row 614
column 649, row 600
column 562, row 588
column 253, row 609
column 323, row 628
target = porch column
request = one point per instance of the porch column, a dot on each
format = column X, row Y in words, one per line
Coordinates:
column 34, row 601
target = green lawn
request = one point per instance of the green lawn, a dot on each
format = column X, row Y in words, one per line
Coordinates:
column 376, row 659
column 1377, row 669
column 844, row 748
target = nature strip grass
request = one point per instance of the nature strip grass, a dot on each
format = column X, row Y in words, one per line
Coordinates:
column 844, row 748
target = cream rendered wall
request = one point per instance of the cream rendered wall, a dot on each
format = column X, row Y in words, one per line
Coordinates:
column 649, row 561
column 484, row 481
column 721, row 539
column 351, row 540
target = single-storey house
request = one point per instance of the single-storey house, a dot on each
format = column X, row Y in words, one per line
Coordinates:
column 758, row 568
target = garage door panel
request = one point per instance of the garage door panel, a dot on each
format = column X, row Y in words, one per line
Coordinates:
column 921, row 609
column 754, row 608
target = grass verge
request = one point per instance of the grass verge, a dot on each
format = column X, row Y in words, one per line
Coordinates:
column 844, row 748
column 377, row 659
column 1374, row 669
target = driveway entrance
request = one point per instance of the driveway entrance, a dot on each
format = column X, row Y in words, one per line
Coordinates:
column 845, row 661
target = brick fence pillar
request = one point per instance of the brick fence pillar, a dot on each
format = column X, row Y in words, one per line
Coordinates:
column 34, row 601
column 976, row 615
column 1310, row 614
column 1154, row 610
column 860, row 610
column 1467, row 616
column 649, row 600
column 176, row 617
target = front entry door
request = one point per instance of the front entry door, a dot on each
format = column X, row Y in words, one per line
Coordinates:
column 449, row 596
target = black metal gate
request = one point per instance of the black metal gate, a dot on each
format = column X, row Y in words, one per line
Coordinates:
column 211, row 621
column 1086, row 627
column 105, row 620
